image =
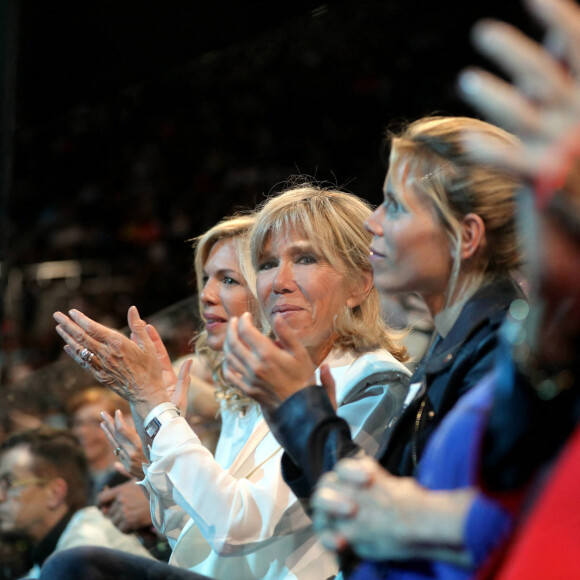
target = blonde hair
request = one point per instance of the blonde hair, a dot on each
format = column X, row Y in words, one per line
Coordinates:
column 333, row 221
column 233, row 228
column 431, row 152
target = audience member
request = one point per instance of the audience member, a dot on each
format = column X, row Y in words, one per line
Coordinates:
column 85, row 408
column 305, row 242
column 44, row 484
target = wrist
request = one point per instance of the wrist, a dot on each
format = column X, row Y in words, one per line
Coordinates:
column 144, row 406
column 433, row 519
column 159, row 416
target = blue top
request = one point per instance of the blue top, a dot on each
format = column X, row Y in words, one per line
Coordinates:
column 451, row 461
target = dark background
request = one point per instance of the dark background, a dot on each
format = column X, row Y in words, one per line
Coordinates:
column 129, row 127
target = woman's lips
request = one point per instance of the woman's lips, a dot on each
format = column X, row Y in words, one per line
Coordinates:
column 285, row 310
column 212, row 322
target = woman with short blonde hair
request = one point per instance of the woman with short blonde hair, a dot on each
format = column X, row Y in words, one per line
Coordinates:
column 331, row 220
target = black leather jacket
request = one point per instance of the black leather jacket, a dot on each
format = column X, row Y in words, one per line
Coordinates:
column 314, row 438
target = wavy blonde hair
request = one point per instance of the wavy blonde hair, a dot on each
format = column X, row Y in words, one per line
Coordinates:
column 234, row 228
column 334, row 222
column 430, row 153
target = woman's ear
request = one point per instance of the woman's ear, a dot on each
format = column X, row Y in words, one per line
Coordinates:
column 360, row 288
column 473, row 235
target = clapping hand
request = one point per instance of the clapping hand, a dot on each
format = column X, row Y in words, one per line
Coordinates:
column 268, row 371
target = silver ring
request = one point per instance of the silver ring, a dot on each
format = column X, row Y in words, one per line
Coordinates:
column 117, row 451
column 87, row 355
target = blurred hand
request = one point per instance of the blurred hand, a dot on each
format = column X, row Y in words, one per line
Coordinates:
column 383, row 517
column 542, row 106
column 542, row 103
column 126, row 506
column 125, row 439
column 265, row 370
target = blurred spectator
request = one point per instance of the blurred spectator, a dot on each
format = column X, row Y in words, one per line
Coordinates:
column 85, row 410
column 44, row 485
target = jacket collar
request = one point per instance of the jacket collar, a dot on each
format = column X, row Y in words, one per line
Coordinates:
column 488, row 305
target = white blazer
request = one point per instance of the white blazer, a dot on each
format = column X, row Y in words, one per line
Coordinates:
column 234, row 516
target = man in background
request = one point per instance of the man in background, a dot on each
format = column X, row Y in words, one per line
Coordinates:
column 44, row 487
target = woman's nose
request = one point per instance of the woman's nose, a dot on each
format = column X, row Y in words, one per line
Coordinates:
column 209, row 293
column 284, row 279
column 374, row 223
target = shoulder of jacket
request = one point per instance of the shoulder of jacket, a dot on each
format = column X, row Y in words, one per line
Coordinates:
column 373, row 368
column 374, row 362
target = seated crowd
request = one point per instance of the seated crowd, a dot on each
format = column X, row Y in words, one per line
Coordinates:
column 338, row 456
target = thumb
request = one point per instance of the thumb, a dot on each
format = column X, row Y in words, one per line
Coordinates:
column 285, row 337
column 328, row 384
column 182, row 387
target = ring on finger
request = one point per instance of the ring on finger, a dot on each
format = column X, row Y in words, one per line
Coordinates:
column 117, row 451
column 87, row 355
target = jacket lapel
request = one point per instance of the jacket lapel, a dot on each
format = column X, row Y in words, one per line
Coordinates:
column 240, row 463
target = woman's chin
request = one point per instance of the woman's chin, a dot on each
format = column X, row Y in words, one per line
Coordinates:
column 216, row 342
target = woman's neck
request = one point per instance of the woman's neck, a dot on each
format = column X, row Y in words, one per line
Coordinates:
column 465, row 287
column 320, row 352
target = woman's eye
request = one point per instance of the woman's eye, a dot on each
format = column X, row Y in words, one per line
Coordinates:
column 266, row 265
column 391, row 205
column 306, row 259
column 228, row 281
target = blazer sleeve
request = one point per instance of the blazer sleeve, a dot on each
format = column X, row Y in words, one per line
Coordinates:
column 315, row 437
column 184, row 478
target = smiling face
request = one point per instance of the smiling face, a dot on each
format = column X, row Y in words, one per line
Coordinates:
column 297, row 283
column 225, row 293
column 410, row 251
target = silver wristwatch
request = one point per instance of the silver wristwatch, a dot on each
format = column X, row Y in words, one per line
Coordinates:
column 160, row 415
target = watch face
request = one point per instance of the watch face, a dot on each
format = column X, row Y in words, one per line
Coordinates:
column 153, row 427
column 166, row 413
